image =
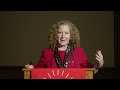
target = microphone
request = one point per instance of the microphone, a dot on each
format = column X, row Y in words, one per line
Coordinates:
column 31, row 63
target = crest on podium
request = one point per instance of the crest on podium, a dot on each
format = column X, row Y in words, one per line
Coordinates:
column 58, row 73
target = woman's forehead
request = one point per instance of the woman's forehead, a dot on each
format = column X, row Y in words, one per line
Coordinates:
column 64, row 28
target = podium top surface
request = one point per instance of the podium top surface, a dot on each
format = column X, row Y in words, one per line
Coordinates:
column 88, row 69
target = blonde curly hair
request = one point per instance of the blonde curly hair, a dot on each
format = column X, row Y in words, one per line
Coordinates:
column 74, row 34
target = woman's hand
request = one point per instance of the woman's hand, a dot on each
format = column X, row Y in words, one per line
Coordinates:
column 29, row 66
column 99, row 58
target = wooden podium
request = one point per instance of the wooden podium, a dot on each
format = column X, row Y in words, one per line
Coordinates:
column 89, row 73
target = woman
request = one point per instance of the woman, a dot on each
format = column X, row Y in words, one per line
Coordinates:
column 64, row 49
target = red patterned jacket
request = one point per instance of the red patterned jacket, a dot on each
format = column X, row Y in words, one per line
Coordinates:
column 79, row 59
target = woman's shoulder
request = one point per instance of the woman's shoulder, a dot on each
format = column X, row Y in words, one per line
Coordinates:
column 47, row 49
column 79, row 49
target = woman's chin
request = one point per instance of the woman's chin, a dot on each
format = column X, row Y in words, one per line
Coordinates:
column 63, row 45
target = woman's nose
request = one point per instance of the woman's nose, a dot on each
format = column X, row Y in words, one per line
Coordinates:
column 63, row 35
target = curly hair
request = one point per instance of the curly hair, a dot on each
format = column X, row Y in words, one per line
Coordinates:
column 74, row 34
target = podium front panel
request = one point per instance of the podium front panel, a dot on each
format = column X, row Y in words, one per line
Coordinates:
column 58, row 73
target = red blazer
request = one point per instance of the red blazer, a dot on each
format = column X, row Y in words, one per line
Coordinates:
column 79, row 59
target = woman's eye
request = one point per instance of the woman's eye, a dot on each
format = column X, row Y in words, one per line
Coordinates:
column 66, row 33
column 59, row 32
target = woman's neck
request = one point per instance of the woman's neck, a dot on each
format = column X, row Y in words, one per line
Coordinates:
column 62, row 48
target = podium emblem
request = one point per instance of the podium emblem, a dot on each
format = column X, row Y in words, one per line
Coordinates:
column 58, row 73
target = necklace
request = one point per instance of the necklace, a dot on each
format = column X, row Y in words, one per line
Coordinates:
column 66, row 60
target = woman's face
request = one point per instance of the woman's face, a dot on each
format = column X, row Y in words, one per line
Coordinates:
column 63, row 35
